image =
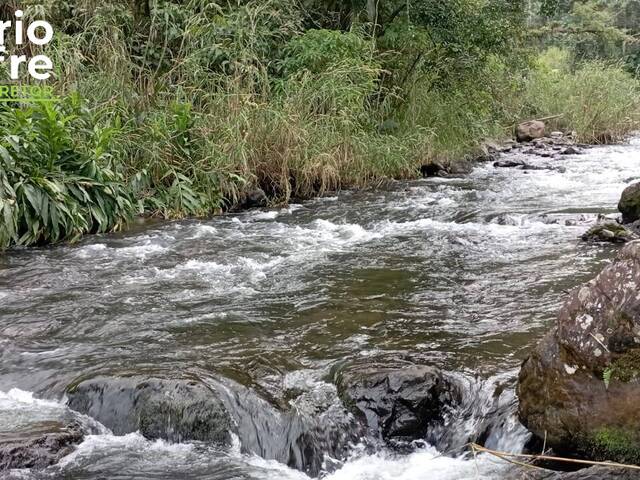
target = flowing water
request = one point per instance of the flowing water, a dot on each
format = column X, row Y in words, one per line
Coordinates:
column 461, row 273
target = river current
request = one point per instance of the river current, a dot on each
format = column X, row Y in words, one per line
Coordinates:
column 463, row 273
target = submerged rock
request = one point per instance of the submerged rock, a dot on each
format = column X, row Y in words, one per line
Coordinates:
column 630, row 204
column 527, row 131
column 580, row 388
column 400, row 404
column 611, row 232
column 39, row 445
column 175, row 410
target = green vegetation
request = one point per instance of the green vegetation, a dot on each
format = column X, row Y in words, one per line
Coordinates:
column 624, row 368
column 188, row 105
column 616, row 444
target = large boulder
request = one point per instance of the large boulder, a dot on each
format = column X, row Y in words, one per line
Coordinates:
column 175, row 410
column 398, row 404
column 38, row 445
column 528, row 131
column 630, row 204
column 580, row 388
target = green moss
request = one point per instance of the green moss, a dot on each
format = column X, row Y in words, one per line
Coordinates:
column 616, row 444
column 625, row 368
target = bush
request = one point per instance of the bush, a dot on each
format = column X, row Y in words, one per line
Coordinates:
column 599, row 101
column 54, row 186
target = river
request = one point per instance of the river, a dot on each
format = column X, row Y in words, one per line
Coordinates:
column 463, row 273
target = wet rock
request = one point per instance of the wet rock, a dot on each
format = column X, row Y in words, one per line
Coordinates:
column 434, row 169
column 398, row 404
column 175, row 410
column 506, row 219
column 256, row 198
column 630, row 204
column 609, row 231
column 462, row 167
column 38, row 445
column 580, row 386
column 315, row 425
column 527, row 131
column 508, row 163
column 594, row 473
column 634, row 227
column 571, row 150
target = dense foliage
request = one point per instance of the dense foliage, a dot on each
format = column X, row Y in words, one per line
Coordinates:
column 188, row 105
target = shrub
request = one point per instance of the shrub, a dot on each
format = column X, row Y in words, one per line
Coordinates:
column 53, row 186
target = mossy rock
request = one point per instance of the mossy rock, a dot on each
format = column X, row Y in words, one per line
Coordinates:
column 630, row 204
column 616, row 444
column 609, row 232
column 626, row 368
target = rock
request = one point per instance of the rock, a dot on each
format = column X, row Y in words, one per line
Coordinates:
column 508, row 163
column 434, row 169
column 460, row 167
column 398, row 404
column 487, row 157
column 506, row 219
column 556, row 134
column 634, row 227
column 594, row 473
column 527, row 131
column 175, row 410
column 609, row 231
column 313, row 426
column 256, row 198
column 39, row 445
column 579, row 388
column 571, row 150
column 630, row 203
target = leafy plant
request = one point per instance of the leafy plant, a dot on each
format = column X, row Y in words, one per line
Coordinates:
column 51, row 188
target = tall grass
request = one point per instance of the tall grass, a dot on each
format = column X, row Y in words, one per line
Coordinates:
column 599, row 101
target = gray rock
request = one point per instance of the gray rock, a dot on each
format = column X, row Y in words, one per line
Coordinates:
column 571, row 150
column 508, row 163
column 580, row 386
column 398, row 404
column 38, row 445
column 527, row 131
column 630, row 203
column 175, row 410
